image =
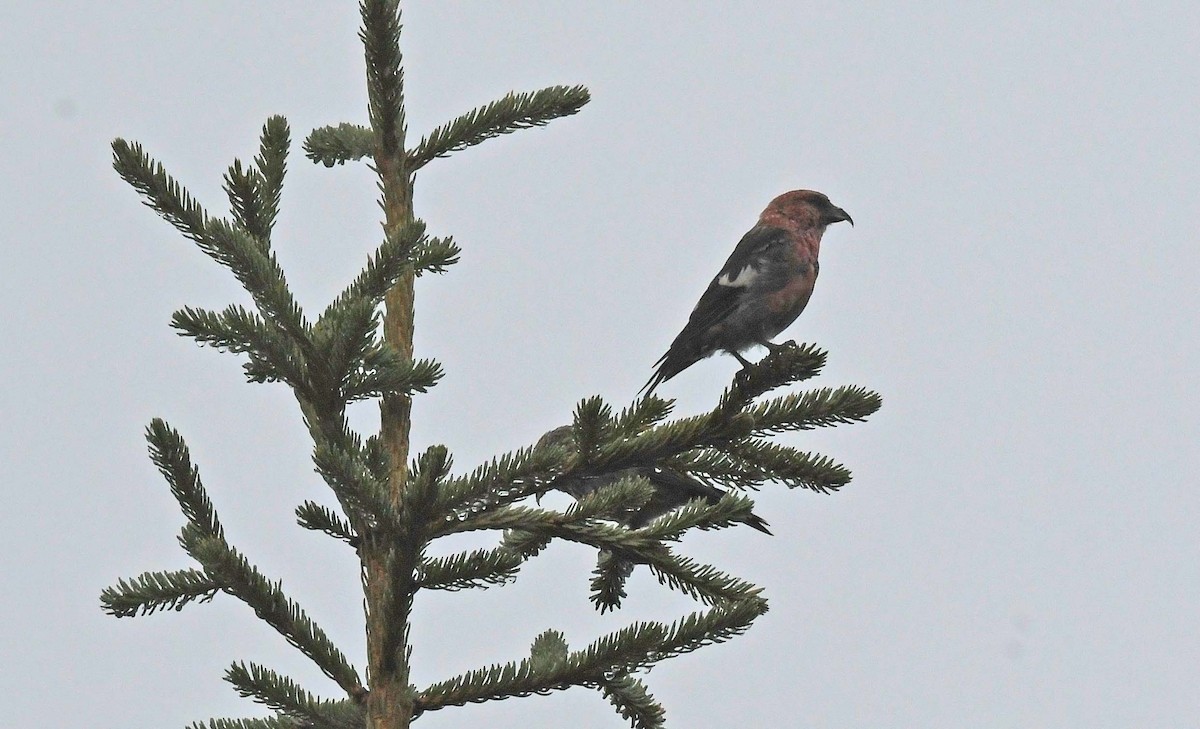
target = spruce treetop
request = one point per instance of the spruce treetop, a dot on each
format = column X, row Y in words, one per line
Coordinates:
column 389, row 504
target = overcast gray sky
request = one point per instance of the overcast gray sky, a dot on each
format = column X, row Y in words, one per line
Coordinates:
column 1019, row 545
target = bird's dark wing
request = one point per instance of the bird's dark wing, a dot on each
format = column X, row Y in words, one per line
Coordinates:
column 733, row 280
column 673, row 489
column 721, row 298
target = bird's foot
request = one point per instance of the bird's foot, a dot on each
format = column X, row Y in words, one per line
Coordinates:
column 772, row 347
column 743, row 377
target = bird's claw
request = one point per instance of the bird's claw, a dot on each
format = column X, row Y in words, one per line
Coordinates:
column 773, row 348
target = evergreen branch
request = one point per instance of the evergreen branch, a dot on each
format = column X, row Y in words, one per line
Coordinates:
column 285, row 696
column 789, row 466
column 804, row 411
column 608, row 581
column 432, row 466
column 363, row 496
column 634, row 702
column 243, row 188
column 614, row 500
column 506, row 115
column 434, row 255
column 642, row 414
column 318, row 518
column 592, row 426
column 713, row 465
column 257, row 270
column 526, row 544
column 669, row 485
column 346, row 336
column 343, row 714
column 509, row 478
column 384, row 268
column 170, row 454
column 814, row 409
column 385, row 373
column 549, row 650
column 716, row 625
column 254, row 192
column 273, row 357
column 337, row 145
column 271, row 162
column 237, row 577
column 665, row 441
column 261, row 275
column 373, row 454
column 204, row 540
column 332, row 145
column 419, row 492
column 671, row 442
column 478, row 568
column 328, row 424
column 162, row 193
column 700, row 581
column 275, row 722
column 538, row 675
column 624, row 651
column 786, row 364
column 730, row 510
column 380, row 35
column 151, row 591
column 630, row 546
column 552, row 524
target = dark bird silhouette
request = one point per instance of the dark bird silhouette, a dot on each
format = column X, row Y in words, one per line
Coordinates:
column 761, row 289
column 672, row 488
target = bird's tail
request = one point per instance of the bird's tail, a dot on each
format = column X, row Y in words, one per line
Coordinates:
column 667, row 366
column 757, row 523
column 673, row 489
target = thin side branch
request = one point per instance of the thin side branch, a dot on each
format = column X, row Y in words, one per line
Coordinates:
column 503, row 116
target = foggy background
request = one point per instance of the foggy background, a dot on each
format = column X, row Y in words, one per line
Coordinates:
column 1018, row 547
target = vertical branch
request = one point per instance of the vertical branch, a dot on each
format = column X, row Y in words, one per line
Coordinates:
column 389, row 565
column 386, row 81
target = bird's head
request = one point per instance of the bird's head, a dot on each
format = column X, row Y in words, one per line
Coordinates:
column 561, row 437
column 803, row 209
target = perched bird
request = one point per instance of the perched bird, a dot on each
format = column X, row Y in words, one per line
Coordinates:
column 761, row 289
column 672, row 488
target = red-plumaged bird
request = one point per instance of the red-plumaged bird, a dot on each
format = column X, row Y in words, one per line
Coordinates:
column 761, row 289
